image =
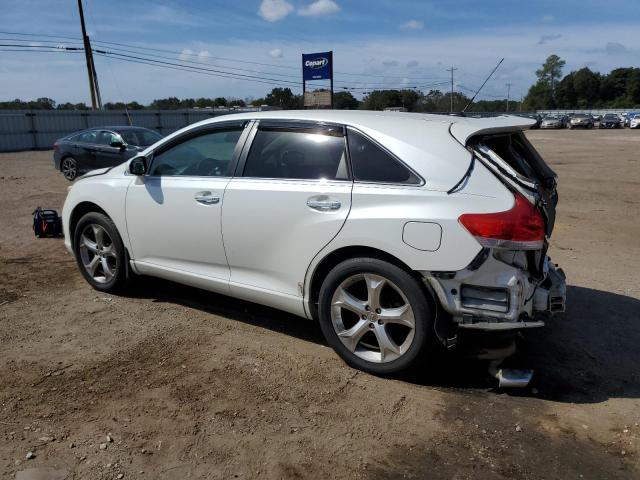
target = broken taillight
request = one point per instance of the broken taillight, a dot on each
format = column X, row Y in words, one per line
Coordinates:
column 520, row 228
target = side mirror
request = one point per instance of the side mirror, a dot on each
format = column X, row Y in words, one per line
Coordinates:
column 119, row 144
column 138, row 165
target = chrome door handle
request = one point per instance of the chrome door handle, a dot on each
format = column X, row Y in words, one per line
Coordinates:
column 206, row 198
column 324, row 205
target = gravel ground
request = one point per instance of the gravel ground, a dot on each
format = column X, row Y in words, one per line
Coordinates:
column 173, row 382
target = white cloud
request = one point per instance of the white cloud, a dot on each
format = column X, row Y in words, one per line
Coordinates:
column 274, row 10
column 319, row 7
column 170, row 16
column 203, row 55
column 275, row 53
column 412, row 25
column 186, row 54
column 548, row 18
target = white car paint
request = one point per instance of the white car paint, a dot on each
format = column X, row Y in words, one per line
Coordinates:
column 262, row 242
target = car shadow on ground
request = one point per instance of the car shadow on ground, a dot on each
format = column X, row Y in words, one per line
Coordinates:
column 587, row 355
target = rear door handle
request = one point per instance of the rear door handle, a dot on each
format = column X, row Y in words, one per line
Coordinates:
column 323, row 205
column 207, row 198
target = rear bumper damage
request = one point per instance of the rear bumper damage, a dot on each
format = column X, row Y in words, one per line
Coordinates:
column 497, row 292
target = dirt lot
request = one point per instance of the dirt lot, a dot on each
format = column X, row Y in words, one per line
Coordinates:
column 189, row 384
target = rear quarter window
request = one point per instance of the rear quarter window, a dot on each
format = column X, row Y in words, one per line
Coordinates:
column 371, row 163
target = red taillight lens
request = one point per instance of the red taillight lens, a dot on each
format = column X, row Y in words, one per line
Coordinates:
column 55, row 146
column 521, row 228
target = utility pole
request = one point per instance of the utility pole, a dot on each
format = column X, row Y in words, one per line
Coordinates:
column 508, row 93
column 96, row 102
column 451, row 70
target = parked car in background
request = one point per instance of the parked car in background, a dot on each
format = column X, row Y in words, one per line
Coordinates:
column 552, row 121
column 634, row 120
column 394, row 232
column 596, row 118
column 580, row 120
column 100, row 147
column 610, row 120
column 533, row 116
column 624, row 120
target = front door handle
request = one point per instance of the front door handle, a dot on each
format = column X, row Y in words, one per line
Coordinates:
column 207, row 198
column 323, row 205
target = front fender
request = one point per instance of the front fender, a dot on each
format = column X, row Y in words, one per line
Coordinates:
column 107, row 193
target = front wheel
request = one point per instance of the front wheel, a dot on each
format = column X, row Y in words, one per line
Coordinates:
column 100, row 253
column 375, row 315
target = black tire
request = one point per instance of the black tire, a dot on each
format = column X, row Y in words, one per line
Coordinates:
column 423, row 314
column 116, row 258
column 69, row 168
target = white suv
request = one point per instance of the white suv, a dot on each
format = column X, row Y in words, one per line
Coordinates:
column 397, row 231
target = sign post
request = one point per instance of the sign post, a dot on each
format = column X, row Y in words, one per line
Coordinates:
column 317, row 66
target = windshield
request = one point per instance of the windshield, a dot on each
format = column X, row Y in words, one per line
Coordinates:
column 140, row 137
column 611, row 116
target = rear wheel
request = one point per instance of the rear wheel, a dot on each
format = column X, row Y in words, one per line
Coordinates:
column 69, row 168
column 100, row 253
column 375, row 315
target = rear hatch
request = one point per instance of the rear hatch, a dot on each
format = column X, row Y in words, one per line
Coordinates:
column 501, row 146
column 512, row 158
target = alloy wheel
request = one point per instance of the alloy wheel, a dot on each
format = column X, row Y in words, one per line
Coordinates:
column 373, row 318
column 69, row 168
column 98, row 253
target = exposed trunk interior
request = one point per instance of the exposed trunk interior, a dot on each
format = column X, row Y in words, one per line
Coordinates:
column 516, row 162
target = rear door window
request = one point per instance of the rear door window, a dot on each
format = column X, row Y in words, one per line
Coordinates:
column 371, row 163
column 106, row 138
column 297, row 153
column 88, row 137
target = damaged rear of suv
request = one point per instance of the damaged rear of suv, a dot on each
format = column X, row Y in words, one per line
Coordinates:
column 511, row 284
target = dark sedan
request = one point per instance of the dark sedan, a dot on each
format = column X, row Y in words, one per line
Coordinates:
column 610, row 120
column 99, row 147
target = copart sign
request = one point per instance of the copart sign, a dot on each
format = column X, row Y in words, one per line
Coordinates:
column 317, row 66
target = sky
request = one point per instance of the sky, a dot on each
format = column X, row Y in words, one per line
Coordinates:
column 376, row 44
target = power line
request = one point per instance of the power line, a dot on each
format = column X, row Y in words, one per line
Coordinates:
column 161, row 50
column 217, row 72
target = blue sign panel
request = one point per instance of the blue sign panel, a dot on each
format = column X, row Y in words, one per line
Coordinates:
column 317, row 66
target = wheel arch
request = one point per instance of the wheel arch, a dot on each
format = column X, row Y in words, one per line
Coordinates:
column 78, row 212
column 333, row 258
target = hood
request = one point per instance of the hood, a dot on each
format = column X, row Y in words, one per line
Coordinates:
column 463, row 129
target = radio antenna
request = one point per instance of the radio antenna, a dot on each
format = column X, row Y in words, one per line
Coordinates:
column 483, row 84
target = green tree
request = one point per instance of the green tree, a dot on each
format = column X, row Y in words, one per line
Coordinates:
column 283, row 98
column 381, row 99
column 219, row 102
column 236, row 102
column 543, row 93
column 587, row 87
column 566, row 92
column 551, row 71
column 345, row 101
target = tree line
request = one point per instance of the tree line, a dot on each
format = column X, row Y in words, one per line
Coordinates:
column 580, row 89
column 583, row 88
column 284, row 98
